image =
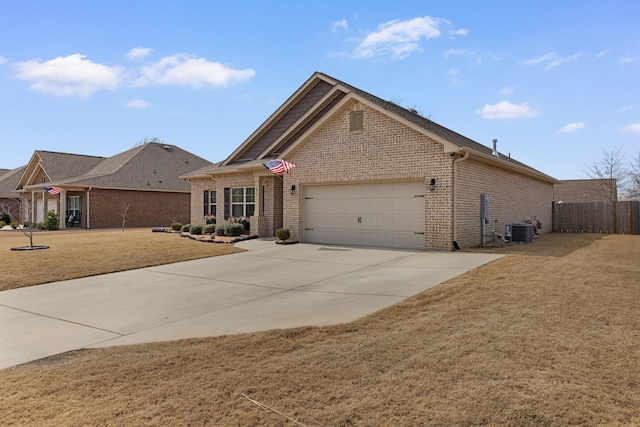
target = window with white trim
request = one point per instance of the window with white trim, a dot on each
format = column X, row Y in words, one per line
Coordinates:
column 243, row 201
column 209, row 205
column 74, row 208
column 212, row 202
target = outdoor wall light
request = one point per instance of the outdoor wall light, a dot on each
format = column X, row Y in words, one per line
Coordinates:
column 293, row 188
column 432, row 184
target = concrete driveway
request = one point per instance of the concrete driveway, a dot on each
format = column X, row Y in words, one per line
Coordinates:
column 270, row 286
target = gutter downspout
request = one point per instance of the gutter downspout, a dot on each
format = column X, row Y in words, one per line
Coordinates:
column 88, row 204
column 463, row 156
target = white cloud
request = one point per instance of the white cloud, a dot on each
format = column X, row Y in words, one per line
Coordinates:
column 633, row 128
column 539, row 59
column 136, row 103
column 571, row 127
column 628, row 59
column 398, row 38
column 3, row 60
column 458, row 52
column 625, row 108
column 184, row 70
column 506, row 91
column 336, row 25
column 552, row 58
column 138, row 52
column 506, row 110
column 72, row 75
column 460, row 32
column 560, row 61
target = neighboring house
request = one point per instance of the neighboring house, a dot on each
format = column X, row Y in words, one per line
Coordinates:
column 370, row 173
column 142, row 182
column 585, row 190
column 9, row 199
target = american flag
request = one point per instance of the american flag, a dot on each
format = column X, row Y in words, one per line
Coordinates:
column 278, row 166
column 54, row 190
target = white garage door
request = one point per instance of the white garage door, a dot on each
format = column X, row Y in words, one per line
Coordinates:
column 389, row 215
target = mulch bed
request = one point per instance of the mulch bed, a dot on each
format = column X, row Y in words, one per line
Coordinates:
column 207, row 238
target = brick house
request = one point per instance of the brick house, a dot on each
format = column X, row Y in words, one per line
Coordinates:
column 144, row 181
column 368, row 172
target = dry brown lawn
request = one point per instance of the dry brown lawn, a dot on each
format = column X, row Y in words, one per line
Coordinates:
column 546, row 336
column 80, row 253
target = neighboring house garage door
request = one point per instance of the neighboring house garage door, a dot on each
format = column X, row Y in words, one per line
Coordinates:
column 389, row 215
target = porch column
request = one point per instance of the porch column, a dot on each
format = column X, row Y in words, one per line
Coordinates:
column 63, row 210
column 256, row 221
column 258, row 202
column 34, row 203
column 45, row 204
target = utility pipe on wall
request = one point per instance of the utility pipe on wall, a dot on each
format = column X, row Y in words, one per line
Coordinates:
column 463, row 156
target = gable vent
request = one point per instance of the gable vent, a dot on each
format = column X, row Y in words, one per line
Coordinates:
column 356, row 121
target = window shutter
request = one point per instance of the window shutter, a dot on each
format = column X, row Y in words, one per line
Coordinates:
column 206, row 202
column 227, row 202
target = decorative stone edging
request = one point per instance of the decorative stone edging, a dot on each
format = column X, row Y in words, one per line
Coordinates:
column 189, row 236
column 29, row 248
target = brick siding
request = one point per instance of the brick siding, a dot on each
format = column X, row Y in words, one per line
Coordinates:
column 385, row 150
column 146, row 208
column 513, row 198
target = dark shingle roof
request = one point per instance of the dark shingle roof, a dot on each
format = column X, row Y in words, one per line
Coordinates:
column 60, row 166
column 409, row 115
column 151, row 166
column 8, row 181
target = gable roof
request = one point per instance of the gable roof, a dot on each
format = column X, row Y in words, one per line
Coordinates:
column 151, row 166
column 316, row 100
column 8, row 181
column 56, row 166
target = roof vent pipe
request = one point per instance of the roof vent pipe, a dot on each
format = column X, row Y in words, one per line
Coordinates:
column 495, row 148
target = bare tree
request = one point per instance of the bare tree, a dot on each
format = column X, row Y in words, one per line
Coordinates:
column 146, row 140
column 122, row 212
column 9, row 208
column 175, row 217
column 634, row 178
column 28, row 227
column 613, row 171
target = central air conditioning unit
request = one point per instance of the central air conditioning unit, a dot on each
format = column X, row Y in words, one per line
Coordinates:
column 521, row 232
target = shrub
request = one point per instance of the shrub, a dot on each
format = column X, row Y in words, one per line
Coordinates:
column 52, row 221
column 2, row 223
column 220, row 229
column 176, row 226
column 4, row 216
column 233, row 229
column 283, row 234
column 209, row 229
column 195, row 229
column 185, row 228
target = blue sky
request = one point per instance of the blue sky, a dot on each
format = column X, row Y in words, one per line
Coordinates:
column 554, row 81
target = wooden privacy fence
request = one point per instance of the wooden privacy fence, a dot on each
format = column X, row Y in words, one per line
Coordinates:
column 597, row 217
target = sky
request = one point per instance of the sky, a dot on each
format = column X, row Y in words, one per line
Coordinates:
column 556, row 82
